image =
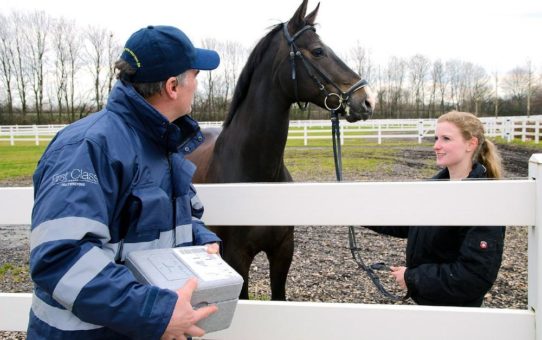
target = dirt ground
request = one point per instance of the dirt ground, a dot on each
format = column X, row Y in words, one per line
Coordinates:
column 323, row 269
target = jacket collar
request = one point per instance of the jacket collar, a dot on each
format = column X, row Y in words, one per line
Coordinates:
column 478, row 171
column 182, row 135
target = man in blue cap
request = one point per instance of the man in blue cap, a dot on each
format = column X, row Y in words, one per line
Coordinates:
column 114, row 182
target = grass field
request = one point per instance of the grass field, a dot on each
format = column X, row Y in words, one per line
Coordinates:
column 19, row 160
column 313, row 162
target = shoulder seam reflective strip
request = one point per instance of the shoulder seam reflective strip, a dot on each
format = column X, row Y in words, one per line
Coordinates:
column 68, row 228
column 79, row 275
column 59, row 318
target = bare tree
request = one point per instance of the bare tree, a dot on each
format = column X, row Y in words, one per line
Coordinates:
column 39, row 25
column 395, row 75
column 74, row 45
column 210, row 82
column 496, row 97
column 479, row 87
column 20, row 58
column 531, row 86
column 516, row 85
column 453, row 73
column 113, row 52
column 6, row 60
column 360, row 58
column 97, row 57
column 442, row 83
column 419, row 66
column 233, row 57
column 61, row 31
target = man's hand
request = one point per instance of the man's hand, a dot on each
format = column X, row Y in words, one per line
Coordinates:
column 213, row 248
column 399, row 275
column 184, row 318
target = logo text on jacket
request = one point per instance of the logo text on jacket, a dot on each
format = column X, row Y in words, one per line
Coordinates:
column 75, row 177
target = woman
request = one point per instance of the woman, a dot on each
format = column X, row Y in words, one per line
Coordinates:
column 453, row 266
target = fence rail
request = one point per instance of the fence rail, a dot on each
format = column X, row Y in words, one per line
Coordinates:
column 412, row 203
column 509, row 128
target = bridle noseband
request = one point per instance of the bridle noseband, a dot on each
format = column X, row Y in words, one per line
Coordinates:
column 295, row 52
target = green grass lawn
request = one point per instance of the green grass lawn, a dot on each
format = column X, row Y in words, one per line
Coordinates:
column 359, row 155
column 527, row 144
column 19, row 160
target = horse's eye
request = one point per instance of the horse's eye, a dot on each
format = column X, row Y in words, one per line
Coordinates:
column 317, row 52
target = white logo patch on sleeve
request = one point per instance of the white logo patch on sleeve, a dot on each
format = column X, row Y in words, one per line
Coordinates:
column 75, row 177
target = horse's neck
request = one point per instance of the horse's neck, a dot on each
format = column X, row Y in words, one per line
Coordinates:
column 253, row 143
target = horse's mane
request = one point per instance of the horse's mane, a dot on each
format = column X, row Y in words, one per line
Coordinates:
column 245, row 78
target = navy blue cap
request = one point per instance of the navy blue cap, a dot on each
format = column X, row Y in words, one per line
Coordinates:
column 160, row 52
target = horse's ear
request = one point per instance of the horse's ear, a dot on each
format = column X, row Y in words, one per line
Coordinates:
column 298, row 20
column 309, row 19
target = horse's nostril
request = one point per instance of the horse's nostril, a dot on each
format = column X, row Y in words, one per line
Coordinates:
column 368, row 107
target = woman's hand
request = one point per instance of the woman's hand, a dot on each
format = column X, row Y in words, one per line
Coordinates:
column 399, row 275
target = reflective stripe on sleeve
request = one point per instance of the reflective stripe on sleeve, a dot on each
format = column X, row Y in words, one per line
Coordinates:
column 196, row 203
column 183, row 234
column 59, row 318
column 165, row 240
column 68, row 228
column 75, row 279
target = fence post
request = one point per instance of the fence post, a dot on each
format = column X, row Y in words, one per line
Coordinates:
column 524, row 131
column 342, row 134
column 508, row 130
column 36, row 133
column 420, row 131
column 379, row 133
column 535, row 247
column 537, row 131
column 11, row 136
column 305, row 136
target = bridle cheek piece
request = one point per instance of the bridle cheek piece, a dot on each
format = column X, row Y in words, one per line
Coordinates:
column 295, row 52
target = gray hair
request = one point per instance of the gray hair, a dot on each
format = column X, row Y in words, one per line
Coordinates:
column 146, row 90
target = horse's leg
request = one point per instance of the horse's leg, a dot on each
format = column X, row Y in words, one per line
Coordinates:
column 240, row 260
column 280, row 258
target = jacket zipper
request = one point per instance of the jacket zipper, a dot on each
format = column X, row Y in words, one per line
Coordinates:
column 174, row 222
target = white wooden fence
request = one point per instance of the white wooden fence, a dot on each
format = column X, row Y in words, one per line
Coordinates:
column 509, row 128
column 363, row 203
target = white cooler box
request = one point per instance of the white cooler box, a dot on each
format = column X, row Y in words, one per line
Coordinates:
column 218, row 283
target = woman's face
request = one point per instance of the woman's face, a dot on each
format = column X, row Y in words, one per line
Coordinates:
column 451, row 148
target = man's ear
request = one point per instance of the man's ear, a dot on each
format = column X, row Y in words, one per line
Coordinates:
column 171, row 87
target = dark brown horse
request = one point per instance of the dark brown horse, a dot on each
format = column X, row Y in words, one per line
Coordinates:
column 290, row 64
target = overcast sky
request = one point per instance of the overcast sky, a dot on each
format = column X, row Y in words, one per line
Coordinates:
column 498, row 35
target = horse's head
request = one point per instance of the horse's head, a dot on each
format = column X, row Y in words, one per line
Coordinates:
column 314, row 73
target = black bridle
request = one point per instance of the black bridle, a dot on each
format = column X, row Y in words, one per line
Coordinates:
column 343, row 98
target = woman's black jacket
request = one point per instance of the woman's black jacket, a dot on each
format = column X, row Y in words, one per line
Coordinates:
column 450, row 266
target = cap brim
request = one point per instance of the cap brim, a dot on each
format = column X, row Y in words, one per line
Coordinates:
column 206, row 59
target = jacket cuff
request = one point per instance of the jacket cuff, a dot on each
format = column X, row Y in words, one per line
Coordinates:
column 410, row 281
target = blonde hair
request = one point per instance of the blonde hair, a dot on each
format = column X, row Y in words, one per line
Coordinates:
column 470, row 126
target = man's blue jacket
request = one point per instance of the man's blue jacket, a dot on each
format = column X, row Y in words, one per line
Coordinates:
column 108, row 184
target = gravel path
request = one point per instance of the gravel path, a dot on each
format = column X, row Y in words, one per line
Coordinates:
column 323, row 269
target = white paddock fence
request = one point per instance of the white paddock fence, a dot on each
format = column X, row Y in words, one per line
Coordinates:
column 362, row 203
column 509, row 128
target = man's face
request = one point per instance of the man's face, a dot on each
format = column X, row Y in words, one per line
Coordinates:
column 188, row 88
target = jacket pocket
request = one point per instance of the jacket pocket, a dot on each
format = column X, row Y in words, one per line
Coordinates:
column 154, row 212
column 484, row 254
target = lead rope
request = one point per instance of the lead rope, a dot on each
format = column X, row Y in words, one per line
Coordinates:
column 354, row 249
